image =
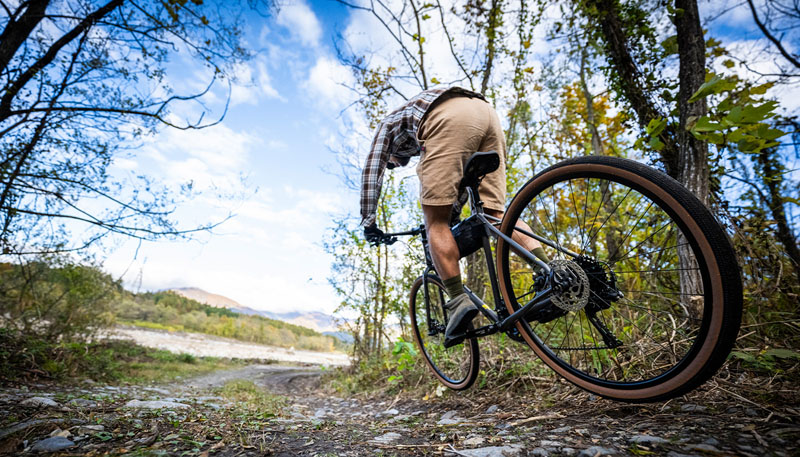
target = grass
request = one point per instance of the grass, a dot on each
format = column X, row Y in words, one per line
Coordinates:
column 252, row 403
column 26, row 358
column 162, row 366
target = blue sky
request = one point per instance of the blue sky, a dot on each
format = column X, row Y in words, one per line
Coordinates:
column 274, row 149
column 277, row 136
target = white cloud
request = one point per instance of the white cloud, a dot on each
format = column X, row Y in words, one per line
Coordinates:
column 252, row 83
column 301, row 22
column 327, row 81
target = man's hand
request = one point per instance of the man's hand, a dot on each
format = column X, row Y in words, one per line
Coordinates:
column 373, row 234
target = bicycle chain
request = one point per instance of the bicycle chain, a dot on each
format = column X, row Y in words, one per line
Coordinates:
column 581, row 349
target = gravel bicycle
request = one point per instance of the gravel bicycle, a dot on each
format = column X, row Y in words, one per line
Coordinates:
column 641, row 302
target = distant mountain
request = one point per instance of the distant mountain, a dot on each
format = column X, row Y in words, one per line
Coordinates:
column 220, row 301
column 314, row 320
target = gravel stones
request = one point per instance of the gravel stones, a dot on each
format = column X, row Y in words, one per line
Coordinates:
column 596, row 451
column 40, row 402
column 155, row 404
column 692, row 408
column 386, row 438
column 647, row 440
column 82, row 403
column 450, row 418
column 52, row 444
column 513, row 450
column 474, row 441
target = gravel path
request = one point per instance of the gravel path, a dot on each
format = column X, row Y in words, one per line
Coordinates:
column 190, row 418
column 211, row 346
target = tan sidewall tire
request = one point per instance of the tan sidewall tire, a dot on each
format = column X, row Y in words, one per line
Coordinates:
column 705, row 353
column 474, row 363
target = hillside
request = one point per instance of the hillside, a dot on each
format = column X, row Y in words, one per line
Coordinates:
column 169, row 310
column 314, row 320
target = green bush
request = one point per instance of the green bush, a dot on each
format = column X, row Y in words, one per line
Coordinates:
column 56, row 299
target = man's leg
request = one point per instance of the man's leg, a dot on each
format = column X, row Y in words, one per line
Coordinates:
column 444, row 252
column 531, row 244
column 443, row 246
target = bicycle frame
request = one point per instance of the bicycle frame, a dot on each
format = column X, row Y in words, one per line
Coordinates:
column 500, row 320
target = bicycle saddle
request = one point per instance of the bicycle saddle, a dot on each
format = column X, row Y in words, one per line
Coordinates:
column 479, row 165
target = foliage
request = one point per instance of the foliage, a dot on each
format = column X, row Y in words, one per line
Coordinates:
column 56, row 299
column 371, row 280
column 83, row 81
column 740, row 119
column 25, row 357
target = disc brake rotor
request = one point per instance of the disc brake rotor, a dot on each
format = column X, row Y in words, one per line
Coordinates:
column 576, row 295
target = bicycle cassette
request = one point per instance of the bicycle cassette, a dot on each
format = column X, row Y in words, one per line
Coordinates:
column 573, row 283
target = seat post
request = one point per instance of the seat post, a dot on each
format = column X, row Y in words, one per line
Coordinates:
column 476, row 205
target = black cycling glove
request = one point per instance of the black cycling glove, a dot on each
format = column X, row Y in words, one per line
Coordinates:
column 373, row 234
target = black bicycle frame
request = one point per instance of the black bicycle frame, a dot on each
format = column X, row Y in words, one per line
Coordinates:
column 500, row 320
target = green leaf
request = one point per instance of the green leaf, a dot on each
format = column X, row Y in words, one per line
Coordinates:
column 762, row 89
column 735, row 116
column 749, row 144
column 656, row 126
column 743, row 356
column 670, row 45
column 767, row 133
column 728, row 63
column 753, row 114
column 655, row 143
column 714, row 85
column 782, row 353
column 704, row 124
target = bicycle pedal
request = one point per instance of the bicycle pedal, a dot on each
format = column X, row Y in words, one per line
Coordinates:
column 454, row 341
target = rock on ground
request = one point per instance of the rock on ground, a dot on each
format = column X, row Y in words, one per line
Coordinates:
column 40, row 402
column 52, row 444
column 493, row 451
column 155, row 404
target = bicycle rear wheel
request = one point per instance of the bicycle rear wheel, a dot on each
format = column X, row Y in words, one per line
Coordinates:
column 638, row 232
column 455, row 367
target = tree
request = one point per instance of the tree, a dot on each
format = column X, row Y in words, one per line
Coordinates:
column 82, row 80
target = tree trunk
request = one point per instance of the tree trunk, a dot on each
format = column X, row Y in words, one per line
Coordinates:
column 606, row 15
column 692, row 153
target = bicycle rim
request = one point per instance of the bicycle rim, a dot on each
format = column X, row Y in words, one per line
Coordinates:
column 455, row 367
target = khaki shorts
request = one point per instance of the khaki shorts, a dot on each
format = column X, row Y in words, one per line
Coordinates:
column 450, row 133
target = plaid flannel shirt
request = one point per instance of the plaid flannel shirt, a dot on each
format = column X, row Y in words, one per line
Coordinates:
column 396, row 138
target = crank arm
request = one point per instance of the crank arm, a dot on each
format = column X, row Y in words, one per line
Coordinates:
column 541, row 300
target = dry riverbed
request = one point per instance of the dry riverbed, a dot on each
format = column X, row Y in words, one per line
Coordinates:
column 201, row 345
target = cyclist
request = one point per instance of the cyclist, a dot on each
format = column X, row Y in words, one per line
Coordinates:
column 444, row 126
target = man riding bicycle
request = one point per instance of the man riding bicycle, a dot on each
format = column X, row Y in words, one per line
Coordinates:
column 444, row 126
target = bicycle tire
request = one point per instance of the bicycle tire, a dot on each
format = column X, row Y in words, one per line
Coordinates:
column 455, row 367
column 695, row 321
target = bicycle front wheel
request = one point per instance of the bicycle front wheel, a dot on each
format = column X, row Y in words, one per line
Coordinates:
column 658, row 300
column 455, row 367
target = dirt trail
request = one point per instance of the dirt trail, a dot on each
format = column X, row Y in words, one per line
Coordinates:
column 190, row 418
